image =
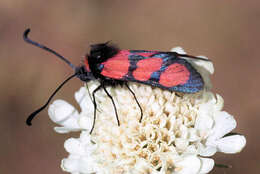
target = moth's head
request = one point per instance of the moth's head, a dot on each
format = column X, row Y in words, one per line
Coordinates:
column 84, row 73
column 101, row 52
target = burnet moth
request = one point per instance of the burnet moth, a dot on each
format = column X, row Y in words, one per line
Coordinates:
column 112, row 66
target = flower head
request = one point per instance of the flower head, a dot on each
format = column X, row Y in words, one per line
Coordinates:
column 177, row 134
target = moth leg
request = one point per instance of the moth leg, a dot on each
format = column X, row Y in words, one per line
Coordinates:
column 136, row 101
column 95, row 106
column 90, row 95
column 111, row 98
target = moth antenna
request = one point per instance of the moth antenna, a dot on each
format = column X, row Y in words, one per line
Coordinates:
column 28, row 40
column 32, row 115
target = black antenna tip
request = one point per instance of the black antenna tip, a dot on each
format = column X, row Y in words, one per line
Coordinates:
column 29, row 120
column 32, row 115
column 26, row 32
column 28, row 123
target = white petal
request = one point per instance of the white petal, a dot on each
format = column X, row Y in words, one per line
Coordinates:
column 181, row 144
column 231, row 144
column 207, row 65
column 224, row 123
column 193, row 135
column 206, row 150
column 65, row 115
column 70, row 165
column 220, row 103
column 189, row 165
column 64, row 130
column 179, row 50
column 76, row 164
column 60, row 110
column 208, row 98
column 79, row 165
column 82, row 97
column 85, row 137
column 207, row 165
column 85, row 122
column 74, row 146
column 87, row 165
column 205, row 109
column 203, row 123
column 183, row 132
column 191, row 149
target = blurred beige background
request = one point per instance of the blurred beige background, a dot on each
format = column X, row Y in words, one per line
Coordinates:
column 225, row 31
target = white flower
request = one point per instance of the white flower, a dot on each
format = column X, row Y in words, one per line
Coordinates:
column 64, row 114
column 177, row 135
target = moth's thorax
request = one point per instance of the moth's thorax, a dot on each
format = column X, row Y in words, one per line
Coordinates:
column 102, row 52
column 83, row 74
column 99, row 53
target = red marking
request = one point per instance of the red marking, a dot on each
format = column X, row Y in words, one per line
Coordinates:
column 147, row 54
column 116, row 67
column 146, row 67
column 87, row 65
column 175, row 74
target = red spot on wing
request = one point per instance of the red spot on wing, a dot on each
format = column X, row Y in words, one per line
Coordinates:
column 175, row 74
column 117, row 66
column 146, row 67
column 87, row 65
